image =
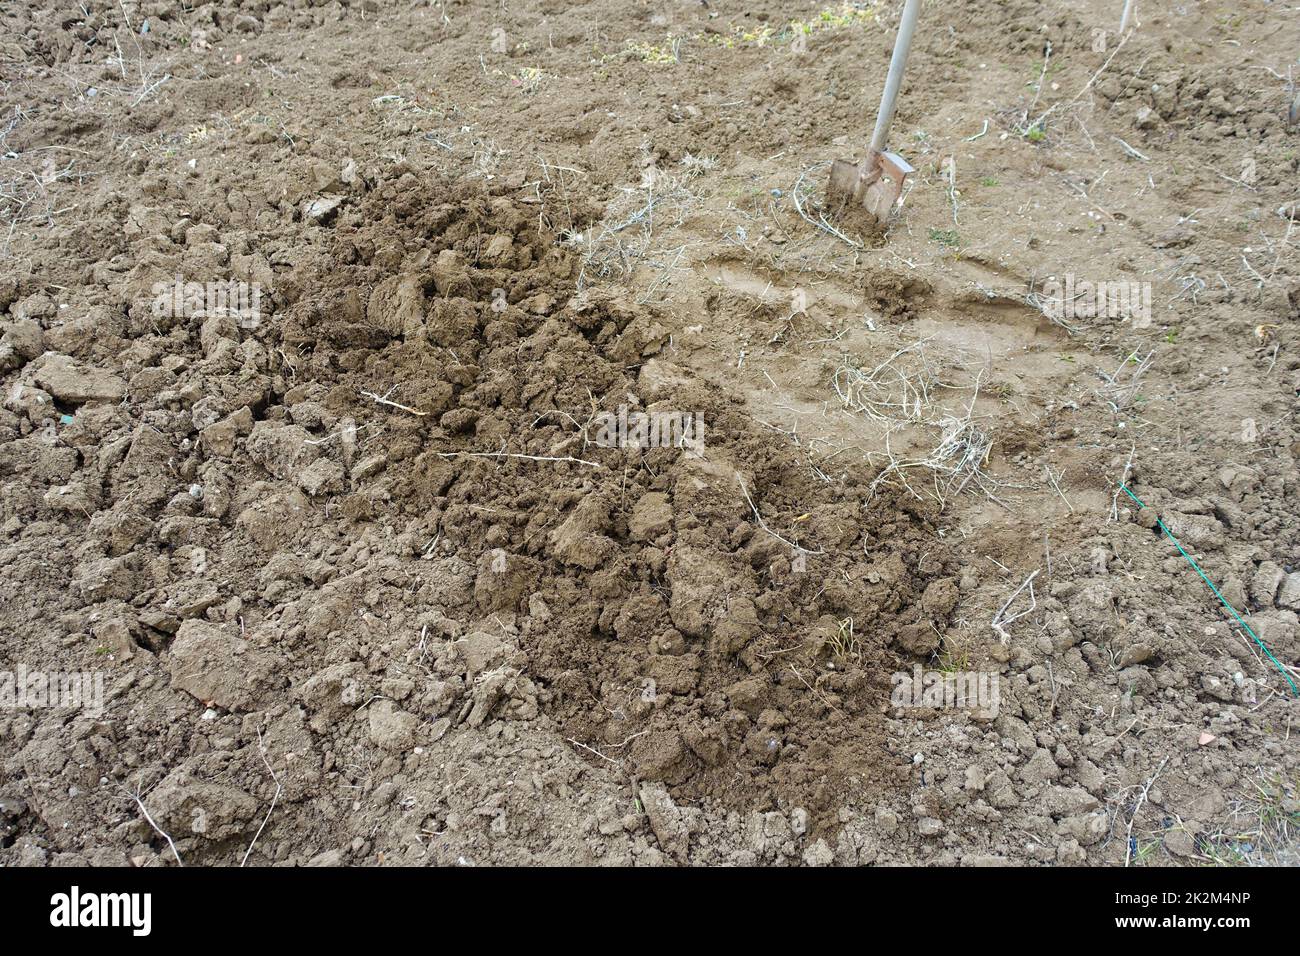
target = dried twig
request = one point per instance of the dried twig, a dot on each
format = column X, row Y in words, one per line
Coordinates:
column 592, row 750
column 261, row 746
column 503, row 454
column 139, row 802
column 1118, row 391
column 763, row 524
column 1055, row 480
column 1000, row 621
column 1128, row 838
column 820, row 222
column 384, row 400
column 1131, row 151
column 1128, row 466
column 892, row 390
column 1038, row 123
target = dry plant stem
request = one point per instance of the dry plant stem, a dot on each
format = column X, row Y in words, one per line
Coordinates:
column 1118, row 394
column 1038, row 88
column 1131, row 151
column 384, row 400
column 1282, row 247
column 1000, row 622
column 1142, row 797
column 816, row 693
column 863, row 390
column 157, row 829
column 663, row 199
column 261, row 746
column 820, row 222
column 503, row 454
column 961, row 455
column 353, row 432
column 1087, row 86
column 1128, row 465
column 763, row 524
column 592, row 750
column 950, row 175
column 1055, row 480
column 145, row 87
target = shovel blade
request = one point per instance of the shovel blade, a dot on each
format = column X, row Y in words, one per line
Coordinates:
column 884, row 194
column 876, row 184
column 844, row 180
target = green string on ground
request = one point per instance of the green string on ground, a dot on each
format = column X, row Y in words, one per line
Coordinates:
column 1262, row 646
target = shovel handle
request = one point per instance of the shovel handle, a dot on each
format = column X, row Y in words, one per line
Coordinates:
column 906, row 27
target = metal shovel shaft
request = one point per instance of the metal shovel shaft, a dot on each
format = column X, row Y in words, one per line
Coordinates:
column 906, row 27
column 1128, row 13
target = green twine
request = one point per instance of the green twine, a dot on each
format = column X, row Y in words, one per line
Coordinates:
column 1262, row 646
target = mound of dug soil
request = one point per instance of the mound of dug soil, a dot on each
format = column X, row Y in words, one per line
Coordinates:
column 630, row 592
column 328, row 550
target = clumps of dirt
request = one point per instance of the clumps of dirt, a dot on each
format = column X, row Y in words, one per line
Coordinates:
column 1128, row 628
column 633, row 594
column 761, row 315
column 304, row 558
column 895, row 293
column 1217, row 107
column 363, row 581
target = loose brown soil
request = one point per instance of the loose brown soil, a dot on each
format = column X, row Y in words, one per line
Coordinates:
column 362, row 582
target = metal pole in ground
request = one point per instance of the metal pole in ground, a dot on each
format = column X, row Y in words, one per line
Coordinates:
column 897, row 63
column 1128, row 13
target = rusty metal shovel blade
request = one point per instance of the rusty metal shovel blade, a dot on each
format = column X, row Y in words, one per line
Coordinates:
column 876, row 183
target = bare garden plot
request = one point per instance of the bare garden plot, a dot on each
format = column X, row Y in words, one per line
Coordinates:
column 589, row 487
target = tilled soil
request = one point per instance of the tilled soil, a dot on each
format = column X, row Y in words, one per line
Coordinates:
column 362, row 580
